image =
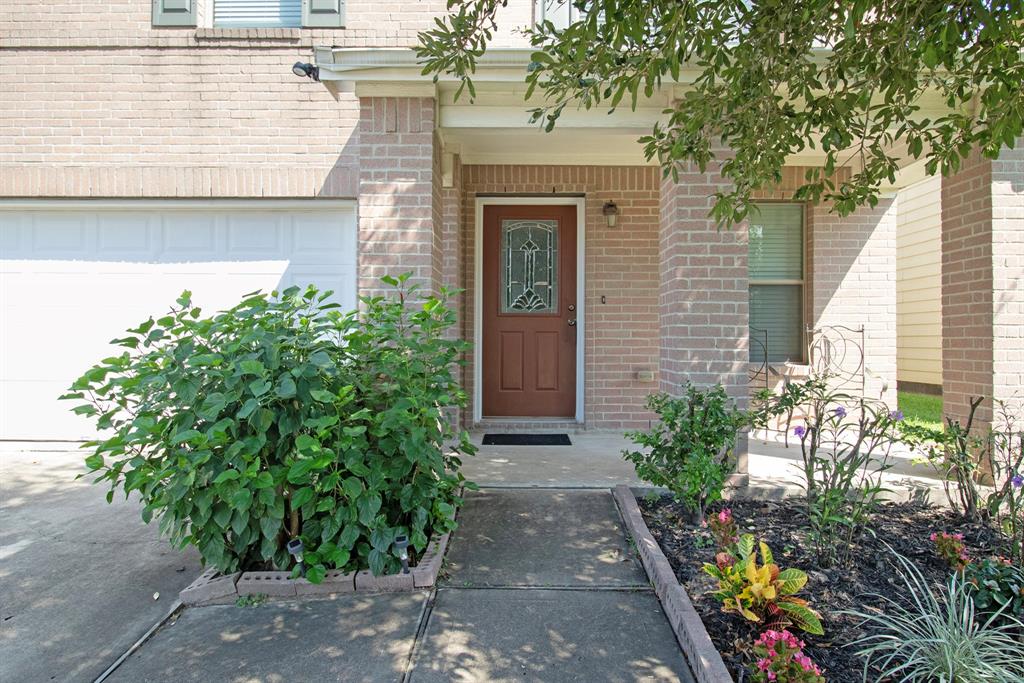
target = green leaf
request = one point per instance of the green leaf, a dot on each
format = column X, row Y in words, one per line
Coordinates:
column 791, row 580
column 322, row 396
column 241, row 499
column 252, row 367
column 368, row 507
column 378, row 562
column 301, row 497
column 285, row 388
column 259, row 387
column 94, row 461
column 803, row 617
column 316, row 573
column 263, row 480
column 227, row 475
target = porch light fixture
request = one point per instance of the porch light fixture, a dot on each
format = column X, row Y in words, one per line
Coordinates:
column 402, row 546
column 306, row 70
column 611, row 213
column 295, row 550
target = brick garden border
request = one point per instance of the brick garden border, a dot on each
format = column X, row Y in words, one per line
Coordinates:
column 703, row 657
column 211, row 587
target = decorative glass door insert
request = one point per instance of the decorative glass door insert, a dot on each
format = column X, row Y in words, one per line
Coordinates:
column 529, row 266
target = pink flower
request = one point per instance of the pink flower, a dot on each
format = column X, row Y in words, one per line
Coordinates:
column 725, row 516
column 764, row 664
column 772, row 676
column 933, row 537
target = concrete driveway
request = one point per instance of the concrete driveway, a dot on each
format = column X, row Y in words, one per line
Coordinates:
column 77, row 576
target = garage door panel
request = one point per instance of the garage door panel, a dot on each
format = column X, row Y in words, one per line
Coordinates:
column 187, row 238
column 60, row 235
column 70, row 281
column 318, row 240
column 128, row 236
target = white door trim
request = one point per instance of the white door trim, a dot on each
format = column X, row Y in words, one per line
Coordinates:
column 478, row 307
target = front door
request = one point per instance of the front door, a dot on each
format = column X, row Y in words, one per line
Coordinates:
column 529, row 311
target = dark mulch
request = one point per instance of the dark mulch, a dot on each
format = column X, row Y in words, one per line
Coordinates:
column 782, row 524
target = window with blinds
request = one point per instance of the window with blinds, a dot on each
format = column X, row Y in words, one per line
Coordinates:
column 776, row 280
column 257, row 13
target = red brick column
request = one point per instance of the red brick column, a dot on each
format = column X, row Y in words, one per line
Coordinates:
column 398, row 191
column 983, row 282
column 703, row 296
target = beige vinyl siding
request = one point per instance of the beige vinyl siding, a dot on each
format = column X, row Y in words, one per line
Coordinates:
column 919, row 283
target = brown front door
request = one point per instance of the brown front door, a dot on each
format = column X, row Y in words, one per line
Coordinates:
column 529, row 311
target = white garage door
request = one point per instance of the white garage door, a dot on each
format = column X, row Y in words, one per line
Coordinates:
column 73, row 279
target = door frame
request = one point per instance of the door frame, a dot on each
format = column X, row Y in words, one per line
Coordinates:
column 478, row 306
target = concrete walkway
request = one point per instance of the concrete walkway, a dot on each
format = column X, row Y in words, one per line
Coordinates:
column 540, row 585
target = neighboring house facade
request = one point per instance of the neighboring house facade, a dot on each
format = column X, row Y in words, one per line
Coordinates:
column 150, row 147
column 919, row 286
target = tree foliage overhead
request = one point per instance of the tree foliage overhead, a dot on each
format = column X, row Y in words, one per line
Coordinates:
column 867, row 83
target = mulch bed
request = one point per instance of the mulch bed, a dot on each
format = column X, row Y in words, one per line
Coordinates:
column 782, row 525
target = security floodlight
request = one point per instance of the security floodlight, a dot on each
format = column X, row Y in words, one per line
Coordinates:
column 306, row 70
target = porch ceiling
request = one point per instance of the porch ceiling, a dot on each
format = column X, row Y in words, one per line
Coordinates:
column 495, row 128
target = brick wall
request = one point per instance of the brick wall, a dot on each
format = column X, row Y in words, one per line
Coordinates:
column 369, row 23
column 983, row 283
column 396, row 191
column 852, row 274
column 230, row 122
column 621, row 266
column 703, row 297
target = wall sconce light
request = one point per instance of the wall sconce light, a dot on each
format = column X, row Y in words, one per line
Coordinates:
column 402, row 546
column 306, row 70
column 611, row 213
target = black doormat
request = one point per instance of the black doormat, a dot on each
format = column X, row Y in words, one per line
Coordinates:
column 526, row 440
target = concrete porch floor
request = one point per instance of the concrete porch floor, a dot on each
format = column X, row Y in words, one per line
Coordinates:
column 594, row 460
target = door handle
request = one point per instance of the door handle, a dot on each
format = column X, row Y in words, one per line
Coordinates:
column 572, row 322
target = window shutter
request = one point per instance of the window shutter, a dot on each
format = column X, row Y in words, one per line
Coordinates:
column 257, row 13
column 174, row 12
column 323, row 13
column 776, row 242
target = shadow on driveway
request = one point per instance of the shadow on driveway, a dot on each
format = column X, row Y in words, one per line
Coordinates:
column 77, row 576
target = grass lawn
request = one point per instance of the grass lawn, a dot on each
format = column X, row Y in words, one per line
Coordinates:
column 921, row 409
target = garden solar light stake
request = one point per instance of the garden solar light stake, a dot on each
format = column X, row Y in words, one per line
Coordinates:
column 295, row 549
column 402, row 546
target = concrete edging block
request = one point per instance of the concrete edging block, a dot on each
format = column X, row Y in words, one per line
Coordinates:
column 425, row 573
column 276, row 584
column 703, row 657
column 335, row 581
column 209, row 586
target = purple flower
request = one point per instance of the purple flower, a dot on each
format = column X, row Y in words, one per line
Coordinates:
column 840, row 411
column 800, row 431
column 1017, row 480
column 896, row 415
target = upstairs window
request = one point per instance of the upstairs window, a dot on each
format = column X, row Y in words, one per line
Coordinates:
column 257, row 13
column 561, row 13
column 776, row 282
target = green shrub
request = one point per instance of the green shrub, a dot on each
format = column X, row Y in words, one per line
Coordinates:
column 998, row 587
column 284, row 418
column 937, row 635
column 689, row 450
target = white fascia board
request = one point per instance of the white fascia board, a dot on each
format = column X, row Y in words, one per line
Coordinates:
column 486, row 116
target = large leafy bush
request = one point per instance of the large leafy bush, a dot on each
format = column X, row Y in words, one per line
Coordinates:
column 283, row 418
